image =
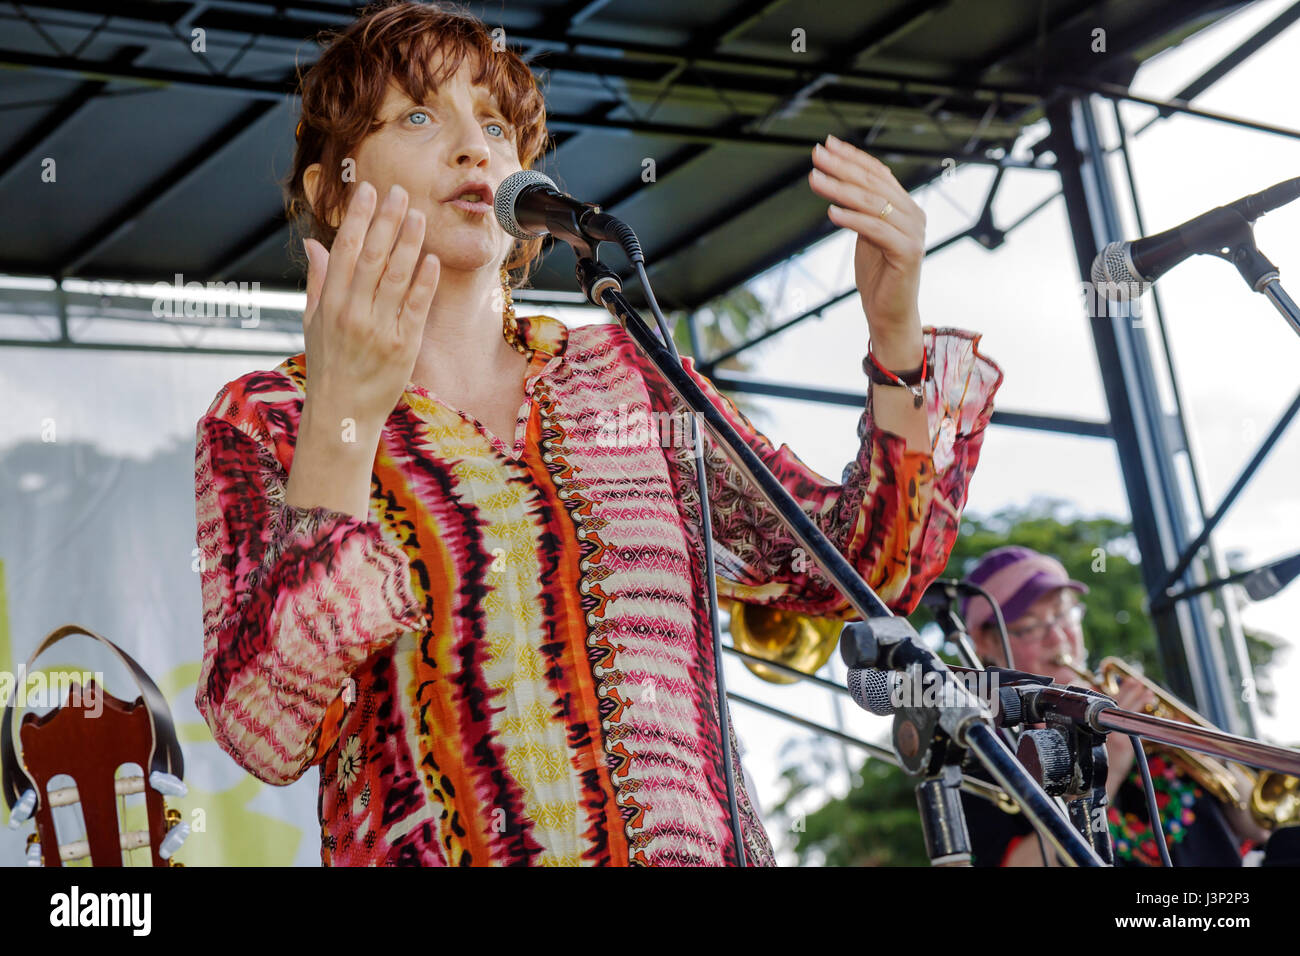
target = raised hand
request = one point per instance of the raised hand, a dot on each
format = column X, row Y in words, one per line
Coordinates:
column 887, row 259
column 367, row 301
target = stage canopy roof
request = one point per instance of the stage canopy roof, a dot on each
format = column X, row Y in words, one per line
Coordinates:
column 168, row 160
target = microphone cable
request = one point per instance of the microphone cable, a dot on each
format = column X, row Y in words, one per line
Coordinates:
column 706, row 533
column 627, row 239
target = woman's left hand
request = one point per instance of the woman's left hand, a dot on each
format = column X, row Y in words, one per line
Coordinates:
column 887, row 260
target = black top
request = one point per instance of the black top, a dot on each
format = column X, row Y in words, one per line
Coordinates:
column 1209, row 841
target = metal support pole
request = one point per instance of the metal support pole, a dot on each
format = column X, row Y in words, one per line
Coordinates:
column 1191, row 643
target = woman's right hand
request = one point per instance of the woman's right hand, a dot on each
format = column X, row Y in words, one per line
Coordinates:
column 367, row 302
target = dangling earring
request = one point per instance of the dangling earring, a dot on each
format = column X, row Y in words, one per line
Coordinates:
column 509, row 324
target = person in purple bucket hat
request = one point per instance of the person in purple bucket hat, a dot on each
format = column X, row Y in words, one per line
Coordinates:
column 1040, row 604
column 1043, row 612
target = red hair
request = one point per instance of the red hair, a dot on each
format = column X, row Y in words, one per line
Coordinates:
column 394, row 43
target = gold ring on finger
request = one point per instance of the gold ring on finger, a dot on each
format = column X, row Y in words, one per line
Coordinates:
column 886, row 209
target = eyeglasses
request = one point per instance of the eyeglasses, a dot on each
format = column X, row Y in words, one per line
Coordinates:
column 1037, row 631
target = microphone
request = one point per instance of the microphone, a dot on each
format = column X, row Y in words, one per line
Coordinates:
column 1263, row 583
column 942, row 592
column 1123, row 268
column 882, row 692
column 873, row 689
column 529, row 205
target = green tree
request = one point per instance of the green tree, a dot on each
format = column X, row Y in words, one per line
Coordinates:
column 727, row 321
column 1102, row 553
column 876, row 824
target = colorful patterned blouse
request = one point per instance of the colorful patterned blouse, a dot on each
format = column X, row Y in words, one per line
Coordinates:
column 510, row 661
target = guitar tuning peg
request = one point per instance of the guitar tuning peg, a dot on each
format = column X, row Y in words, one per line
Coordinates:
column 173, row 840
column 168, row 784
column 22, row 809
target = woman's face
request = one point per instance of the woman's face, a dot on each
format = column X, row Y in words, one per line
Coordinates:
column 1046, row 631
column 433, row 150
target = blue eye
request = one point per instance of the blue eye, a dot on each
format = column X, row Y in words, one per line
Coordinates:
column 500, row 127
column 414, row 113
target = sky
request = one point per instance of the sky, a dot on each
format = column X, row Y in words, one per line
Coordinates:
column 1235, row 356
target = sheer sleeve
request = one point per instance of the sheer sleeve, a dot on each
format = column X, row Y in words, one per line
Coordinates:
column 894, row 515
column 294, row 600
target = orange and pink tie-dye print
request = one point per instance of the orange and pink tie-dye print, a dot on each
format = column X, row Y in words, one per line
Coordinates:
column 509, row 662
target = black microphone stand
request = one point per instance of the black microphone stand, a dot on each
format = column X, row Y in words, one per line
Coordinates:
column 940, row 597
column 959, row 717
column 1239, row 248
column 968, row 724
column 1260, row 583
column 1087, row 715
column 1263, row 277
column 1068, row 756
column 1206, row 740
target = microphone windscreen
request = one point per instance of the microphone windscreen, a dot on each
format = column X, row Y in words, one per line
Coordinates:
column 504, row 204
column 870, row 689
column 1114, row 278
column 1262, row 584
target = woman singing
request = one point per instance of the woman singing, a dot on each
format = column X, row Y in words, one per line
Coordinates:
column 427, row 567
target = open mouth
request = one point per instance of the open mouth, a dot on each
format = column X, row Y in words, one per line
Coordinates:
column 476, row 200
column 474, row 206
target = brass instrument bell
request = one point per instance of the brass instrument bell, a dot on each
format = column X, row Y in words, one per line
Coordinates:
column 799, row 641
